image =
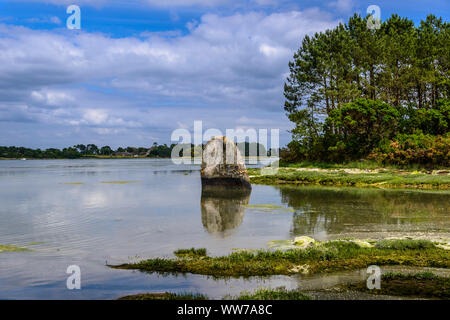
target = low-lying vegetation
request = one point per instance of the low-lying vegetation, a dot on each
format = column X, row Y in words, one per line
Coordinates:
column 383, row 179
column 190, row 252
column 319, row 257
column 270, row 294
column 165, row 296
column 260, row 294
column 360, row 164
column 404, row 244
column 420, row 285
column 119, row 182
column 11, row 248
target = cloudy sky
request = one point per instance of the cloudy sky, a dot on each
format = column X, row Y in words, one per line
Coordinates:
column 139, row 69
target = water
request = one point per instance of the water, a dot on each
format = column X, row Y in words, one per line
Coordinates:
column 93, row 212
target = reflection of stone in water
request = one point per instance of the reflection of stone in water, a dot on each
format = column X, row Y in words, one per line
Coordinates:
column 223, row 211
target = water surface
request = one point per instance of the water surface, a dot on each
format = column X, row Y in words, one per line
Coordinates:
column 93, row 212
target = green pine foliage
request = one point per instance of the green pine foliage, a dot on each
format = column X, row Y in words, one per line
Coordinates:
column 383, row 94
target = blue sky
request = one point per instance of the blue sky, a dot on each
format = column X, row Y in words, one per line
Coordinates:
column 137, row 70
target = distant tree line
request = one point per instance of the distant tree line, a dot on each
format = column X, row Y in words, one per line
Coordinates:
column 91, row 150
column 81, row 150
column 384, row 94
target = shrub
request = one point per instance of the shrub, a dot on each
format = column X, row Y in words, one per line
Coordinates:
column 417, row 148
column 353, row 130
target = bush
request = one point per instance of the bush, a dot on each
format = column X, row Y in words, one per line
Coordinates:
column 435, row 121
column 417, row 148
column 353, row 130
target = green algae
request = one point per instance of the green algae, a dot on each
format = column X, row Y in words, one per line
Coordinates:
column 280, row 244
column 12, row 248
column 270, row 208
column 120, row 182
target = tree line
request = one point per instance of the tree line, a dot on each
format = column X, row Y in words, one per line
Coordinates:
column 91, row 150
column 81, row 150
column 354, row 93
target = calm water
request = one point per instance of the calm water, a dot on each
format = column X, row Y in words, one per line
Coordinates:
column 69, row 213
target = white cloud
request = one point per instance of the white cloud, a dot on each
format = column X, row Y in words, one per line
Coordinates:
column 225, row 68
column 342, row 6
column 95, row 116
column 55, row 20
column 52, row 98
column 152, row 3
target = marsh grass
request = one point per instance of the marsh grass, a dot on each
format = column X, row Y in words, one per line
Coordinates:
column 165, row 296
column 341, row 178
column 260, row 294
column 367, row 164
column 192, row 252
column 321, row 257
column 404, row 244
column 270, row 294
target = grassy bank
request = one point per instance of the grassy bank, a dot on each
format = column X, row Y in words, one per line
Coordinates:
column 270, row 294
column 386, row 178
column 319, row 257
column 365, row 165
column 425, row 285
column 165, row 296
column 260, row 294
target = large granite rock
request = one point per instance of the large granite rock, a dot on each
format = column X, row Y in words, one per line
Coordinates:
column 223, row 166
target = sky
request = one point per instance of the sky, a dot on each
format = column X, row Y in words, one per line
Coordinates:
column 137, row 70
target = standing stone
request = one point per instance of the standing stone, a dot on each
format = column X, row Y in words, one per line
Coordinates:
column 223, row 166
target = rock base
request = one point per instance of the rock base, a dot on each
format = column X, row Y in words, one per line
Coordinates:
column 225, row 183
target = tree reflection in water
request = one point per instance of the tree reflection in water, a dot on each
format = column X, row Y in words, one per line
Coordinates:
column 325, row 211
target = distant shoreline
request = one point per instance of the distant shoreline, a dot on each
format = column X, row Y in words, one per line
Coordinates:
column 107, row 157
column 89, row 158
